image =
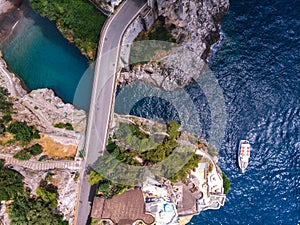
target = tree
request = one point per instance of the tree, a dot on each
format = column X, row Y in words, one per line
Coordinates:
column 5, row 104
column 10, row 183
column 22, row 132
column 36, row 149
column 186, row 169
column 47, row 196
column 66, row 126
column 32, row 211
column 76, row 19
column 22, row 155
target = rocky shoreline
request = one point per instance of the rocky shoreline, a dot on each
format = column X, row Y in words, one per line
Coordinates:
column 195, row 27
column 43, row 109
column 204, row 187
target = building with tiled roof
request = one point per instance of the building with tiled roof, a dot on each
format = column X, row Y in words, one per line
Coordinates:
column 122, row 209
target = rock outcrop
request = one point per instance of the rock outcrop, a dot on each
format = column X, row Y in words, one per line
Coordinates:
column 43, row 109
column 195, row 27
column 107, row 6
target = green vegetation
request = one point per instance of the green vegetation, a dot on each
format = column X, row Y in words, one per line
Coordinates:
column 67, row 126
column 186, row 169
column 130, row 136
column 48, row 192
column 82, row 153
column 132, row 145
column 6, row 118
column 158, row 31
column 78, row 20
column 94, row 178
column 210, row 167
column 164, row 149
column 173, row 130
column 226, row 183
column 30, row 211
column 10, row 183
column 131, row 141
column 109, row 189
column 49, row 177
column 2, row 129
column 76, row 177
column 26, row 154
column 95, row 221
column 22, row 155
column 22, row 132
column 25, row 209
column 6, row 106
column 6, row 109
column 35, row 149
column 106, row 187
column 160, row 46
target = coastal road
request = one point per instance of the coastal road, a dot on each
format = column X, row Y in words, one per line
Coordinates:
column 103, row 94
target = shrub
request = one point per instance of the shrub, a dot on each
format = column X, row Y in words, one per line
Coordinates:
column 35, row 149
column 94, row 178
column 10, row 183
column 78, row 20
column 22, row 155
column 6, row 118
column 22, row 132
column 27, row 210
column 226, row 183
column 66, row 126
column 48, row 192
column 5, row 104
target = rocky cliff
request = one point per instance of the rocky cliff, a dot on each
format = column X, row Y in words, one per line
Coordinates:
column 44, row 110
column 195, row 27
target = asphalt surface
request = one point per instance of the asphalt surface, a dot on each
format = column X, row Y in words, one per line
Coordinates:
column 103, row 95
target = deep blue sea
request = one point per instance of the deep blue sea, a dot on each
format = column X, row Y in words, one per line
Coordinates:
column 257, row 66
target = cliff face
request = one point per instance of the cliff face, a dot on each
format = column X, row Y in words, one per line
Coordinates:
column 196, row 22
column 195, row 27
column 44, row 110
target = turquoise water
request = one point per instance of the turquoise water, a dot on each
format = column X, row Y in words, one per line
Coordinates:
column 43, row 58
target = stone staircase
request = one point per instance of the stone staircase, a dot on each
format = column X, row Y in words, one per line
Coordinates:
column 47, row 165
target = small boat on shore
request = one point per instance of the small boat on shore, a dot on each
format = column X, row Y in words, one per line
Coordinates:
column 244, row 154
